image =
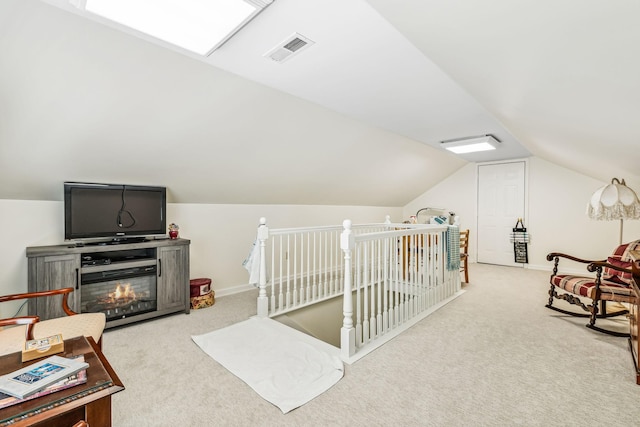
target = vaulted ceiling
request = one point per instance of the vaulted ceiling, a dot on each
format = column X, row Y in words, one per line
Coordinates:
column 355, row 119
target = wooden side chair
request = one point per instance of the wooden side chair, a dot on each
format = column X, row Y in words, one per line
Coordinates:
column 604, row 280
column 464, row 254
column 412, row 247
column 15, row 331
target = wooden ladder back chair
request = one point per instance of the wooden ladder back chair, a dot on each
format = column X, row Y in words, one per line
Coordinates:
column 604, row 280
column 464, row 254
column 412, row 247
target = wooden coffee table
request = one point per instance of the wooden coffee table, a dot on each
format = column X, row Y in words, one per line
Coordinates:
column 90, row 401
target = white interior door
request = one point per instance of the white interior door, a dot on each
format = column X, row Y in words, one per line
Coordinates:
column 501, row 201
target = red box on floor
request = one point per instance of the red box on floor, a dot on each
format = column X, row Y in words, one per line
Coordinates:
column 199, row 287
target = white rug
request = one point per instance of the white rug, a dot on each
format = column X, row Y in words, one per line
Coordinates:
column 285, row 367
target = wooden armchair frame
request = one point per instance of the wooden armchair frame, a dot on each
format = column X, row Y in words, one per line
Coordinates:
column 601, row 291
column 30, row 321
column 23, row 320
column 28, row 295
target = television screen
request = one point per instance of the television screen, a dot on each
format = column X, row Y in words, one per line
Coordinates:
column 113, row 211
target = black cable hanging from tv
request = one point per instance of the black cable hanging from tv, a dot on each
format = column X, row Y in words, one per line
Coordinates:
column 125, row 212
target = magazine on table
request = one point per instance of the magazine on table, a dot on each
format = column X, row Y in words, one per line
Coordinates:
column 76, row 379
column 39, row 375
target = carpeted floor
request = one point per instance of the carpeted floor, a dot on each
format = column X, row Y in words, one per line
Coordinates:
column 493, row 357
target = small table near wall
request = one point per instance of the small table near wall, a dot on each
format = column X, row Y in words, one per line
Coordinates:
column 90, row 401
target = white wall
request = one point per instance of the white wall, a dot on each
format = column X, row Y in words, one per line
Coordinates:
column 556, row 218
column 457, row 193
column 558, row 221
column 221, row 235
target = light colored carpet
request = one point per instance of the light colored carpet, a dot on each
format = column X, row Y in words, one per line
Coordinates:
column 288, row 374
column 495, row 356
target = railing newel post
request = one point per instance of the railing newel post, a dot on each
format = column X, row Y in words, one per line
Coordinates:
column 263, row 301
column 347, row 333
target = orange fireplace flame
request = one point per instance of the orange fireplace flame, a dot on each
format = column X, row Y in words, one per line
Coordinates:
column 123, row 292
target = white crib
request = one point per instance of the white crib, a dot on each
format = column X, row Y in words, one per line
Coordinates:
column 389, row 276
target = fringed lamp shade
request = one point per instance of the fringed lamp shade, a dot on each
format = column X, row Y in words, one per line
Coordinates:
column 614, row 201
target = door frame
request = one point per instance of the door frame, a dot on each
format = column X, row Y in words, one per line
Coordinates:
column 526, row 197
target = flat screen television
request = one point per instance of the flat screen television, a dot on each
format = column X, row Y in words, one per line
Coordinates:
column 113, row 212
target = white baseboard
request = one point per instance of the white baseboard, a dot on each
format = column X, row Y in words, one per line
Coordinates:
column 539, row 267
column 234, row 290
column 575, row 270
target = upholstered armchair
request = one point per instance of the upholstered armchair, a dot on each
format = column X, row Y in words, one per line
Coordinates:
column 604, row 280
column 16, row 330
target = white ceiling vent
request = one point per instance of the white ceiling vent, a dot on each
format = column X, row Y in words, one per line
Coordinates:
column 291, row 46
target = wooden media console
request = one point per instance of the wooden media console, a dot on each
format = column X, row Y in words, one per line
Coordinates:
column 128, row 282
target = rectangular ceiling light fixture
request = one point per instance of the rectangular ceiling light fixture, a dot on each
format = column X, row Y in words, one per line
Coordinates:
column 471, row 145
column 195, row 25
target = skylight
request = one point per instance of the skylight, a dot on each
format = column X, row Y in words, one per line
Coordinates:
column 199, row 26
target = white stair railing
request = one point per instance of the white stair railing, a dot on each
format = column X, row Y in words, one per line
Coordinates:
column 389, row 275
column 301, row 266
column 393, row 279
